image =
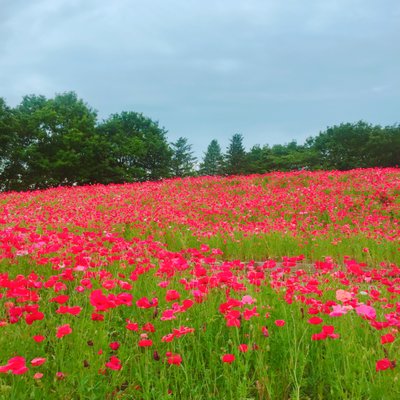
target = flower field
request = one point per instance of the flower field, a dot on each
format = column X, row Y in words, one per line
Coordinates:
column 277, row 286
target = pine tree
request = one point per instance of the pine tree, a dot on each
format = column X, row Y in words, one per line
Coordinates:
column 182, row 162
column 213, row 160
column 235, row 158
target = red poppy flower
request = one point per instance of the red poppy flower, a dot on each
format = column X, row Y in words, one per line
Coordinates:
column 145, row 343
column 228, row 358
column 63, row 331
column 243, row 348
column 97, row 317
column 75, row 310
column 132, row 326
column 63, row 298
column 114, row 363
column 172, row 295
column 264, row 331
column 315, row 320
column 383, row 364
column 249, row 313
column 17, row 366
column 148, row 327
column 114, row 346
column 388, row 338
column 38, row 338
column 34, row 316
column 233, row 322
column 175, row 359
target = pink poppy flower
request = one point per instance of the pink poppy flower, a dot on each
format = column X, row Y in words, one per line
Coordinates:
column 38, row 361
column 366, row 312
column 343, row 295
column 338, row 311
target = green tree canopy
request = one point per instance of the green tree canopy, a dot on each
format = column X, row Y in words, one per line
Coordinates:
column 50, row 142
column 383, row 146
column 8, row 143
column 258, row 160
column 137, row 147
column 343, row 146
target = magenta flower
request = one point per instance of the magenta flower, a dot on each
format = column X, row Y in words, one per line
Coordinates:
column 366, row 312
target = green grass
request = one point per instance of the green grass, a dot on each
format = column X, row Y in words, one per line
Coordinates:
column 286, row 365
column 275, row 245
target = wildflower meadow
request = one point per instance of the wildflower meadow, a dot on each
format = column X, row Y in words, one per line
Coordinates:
column 275, row 286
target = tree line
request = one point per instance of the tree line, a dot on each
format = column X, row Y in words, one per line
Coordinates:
column 59, row 141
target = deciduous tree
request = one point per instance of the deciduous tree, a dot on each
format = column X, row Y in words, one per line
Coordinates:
column 138, row 149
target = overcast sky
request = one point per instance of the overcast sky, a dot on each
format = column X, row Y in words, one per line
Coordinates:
column 273, row 70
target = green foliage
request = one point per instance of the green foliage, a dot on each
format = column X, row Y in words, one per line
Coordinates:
column 342, row 147
column 235, row 157
column 51, row 142
column 138, row 149
column 8, row 139
column 383, row 146
column 359, row 145
column 182, row 162
column 258, row 160
column 213, row 160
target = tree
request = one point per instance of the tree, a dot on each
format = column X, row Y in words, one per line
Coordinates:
column 383, row 147
column 69, row 148
column 58, row 135
column 52, row 143
column 138, row 149
column 258, row 160
column 213, row 160
column 22, row 133
column 182, row 162
column 8, row 142
column 235, row 158
column 290, row 156
column 343, row 146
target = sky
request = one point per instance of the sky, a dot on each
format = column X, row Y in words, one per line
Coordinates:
column 272, row 70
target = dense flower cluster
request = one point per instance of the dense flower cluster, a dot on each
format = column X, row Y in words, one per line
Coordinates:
column 90, row 265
